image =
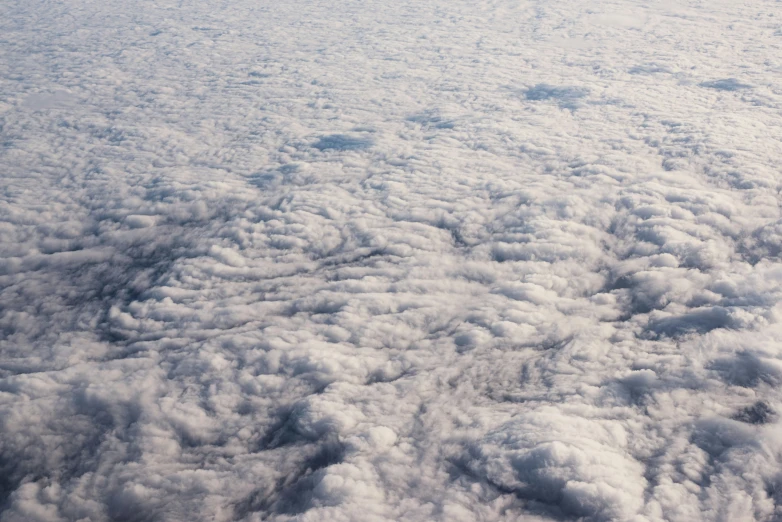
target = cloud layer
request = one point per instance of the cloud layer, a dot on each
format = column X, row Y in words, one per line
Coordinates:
column 377, row 261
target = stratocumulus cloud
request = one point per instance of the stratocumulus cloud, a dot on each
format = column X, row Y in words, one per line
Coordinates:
column 377, row 261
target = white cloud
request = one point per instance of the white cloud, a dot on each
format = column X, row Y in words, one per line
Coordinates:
column 389, row 261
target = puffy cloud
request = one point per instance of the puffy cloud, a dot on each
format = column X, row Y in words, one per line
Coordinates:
column 410, row 261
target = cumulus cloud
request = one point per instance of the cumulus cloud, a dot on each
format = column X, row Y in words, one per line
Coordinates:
column 415, row 261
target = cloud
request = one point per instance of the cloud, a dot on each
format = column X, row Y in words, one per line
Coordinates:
column 338, row 261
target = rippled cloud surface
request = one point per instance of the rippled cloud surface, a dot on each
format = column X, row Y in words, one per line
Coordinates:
column 447, row 260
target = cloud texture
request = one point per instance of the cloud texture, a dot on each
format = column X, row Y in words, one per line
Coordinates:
column 376, row 261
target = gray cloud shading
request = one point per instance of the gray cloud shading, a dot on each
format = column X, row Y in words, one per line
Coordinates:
column 376, row 261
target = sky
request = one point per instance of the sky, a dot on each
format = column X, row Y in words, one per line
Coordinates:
column 443, row 260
